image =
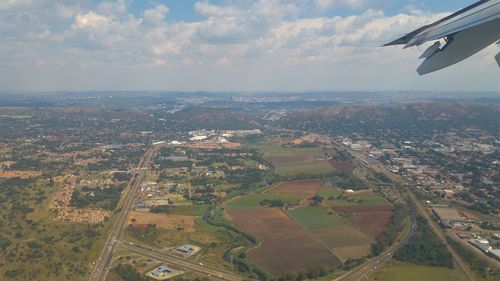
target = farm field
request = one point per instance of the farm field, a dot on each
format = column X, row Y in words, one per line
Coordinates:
column 346, row 225
column 364, row 210
column 315, row 217
column 346, row 241
column 285, row 245
column 302, row 187
column 290, row 161
column 371, row 223
column 396, row 271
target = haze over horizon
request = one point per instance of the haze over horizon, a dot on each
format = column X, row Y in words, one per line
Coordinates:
column 177, row 45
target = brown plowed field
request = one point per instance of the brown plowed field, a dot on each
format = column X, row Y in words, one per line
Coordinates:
column 305, row 187
column 285, row 245
column 371, row 223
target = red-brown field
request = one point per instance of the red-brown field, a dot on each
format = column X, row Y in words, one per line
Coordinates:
column 285, row 245
column 305, row 187
column 371, row 223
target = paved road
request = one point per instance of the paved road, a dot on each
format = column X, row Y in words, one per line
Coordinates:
column 363, row 271
column 161, row 255
column 102, row 266
column 462, row 266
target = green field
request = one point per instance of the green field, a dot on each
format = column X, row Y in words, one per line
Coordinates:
column 315, row 217
column 363, row 198
column 253, row 200
column 397, row 271
column 330, row 192
column 292, row 161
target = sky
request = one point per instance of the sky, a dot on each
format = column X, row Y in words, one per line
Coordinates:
column 226, row 45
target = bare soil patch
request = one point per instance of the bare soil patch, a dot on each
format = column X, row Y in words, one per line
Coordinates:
column 285, row 245
column 19, row 174
column 181, row 222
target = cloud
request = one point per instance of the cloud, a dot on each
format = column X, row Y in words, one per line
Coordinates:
column 327, row 4
column 256, row 39
column 156, row 15
column 92, row 21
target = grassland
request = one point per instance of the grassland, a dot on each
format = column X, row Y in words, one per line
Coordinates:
column 364, row 198
column 292, row 161
column 35, row 236
column 315, row 217
column 213, row 240
column 397, row 271
column 253, row 200
column 330, row 192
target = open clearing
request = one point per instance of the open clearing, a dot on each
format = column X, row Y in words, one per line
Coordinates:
column 290, row 160
column 357, row 198
column 302, row 187
column 163, row 221
column 397, row 271
column 330, row 191
column 285, row 245
column 253, row 200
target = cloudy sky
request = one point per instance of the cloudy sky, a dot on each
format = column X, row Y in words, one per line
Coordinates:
column 226, row 45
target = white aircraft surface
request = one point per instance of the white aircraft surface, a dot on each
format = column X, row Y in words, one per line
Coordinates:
column 465, row 33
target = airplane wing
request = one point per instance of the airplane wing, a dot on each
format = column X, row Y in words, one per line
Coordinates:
column 465, row 33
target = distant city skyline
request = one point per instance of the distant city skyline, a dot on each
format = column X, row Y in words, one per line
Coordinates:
column 244, row 46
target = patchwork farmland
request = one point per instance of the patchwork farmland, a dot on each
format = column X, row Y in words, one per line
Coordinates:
column 306, row 232
column 345, row 240
column 285, row 245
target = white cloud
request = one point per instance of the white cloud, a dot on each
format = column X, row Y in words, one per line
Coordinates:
column 156, row 15
column 92, row 21
column 328, row 4
column 259, row 40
